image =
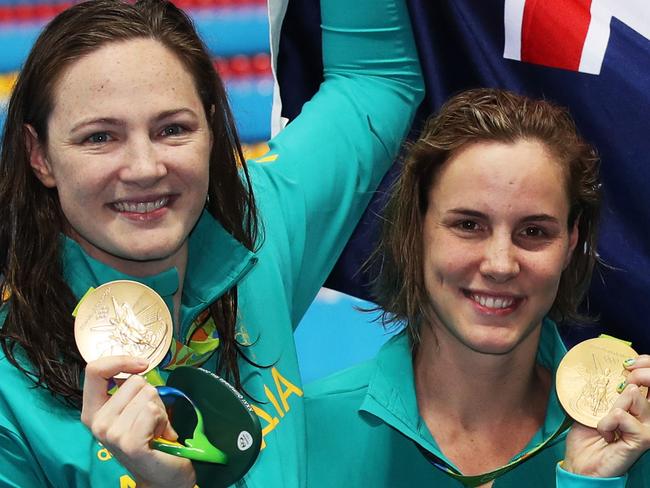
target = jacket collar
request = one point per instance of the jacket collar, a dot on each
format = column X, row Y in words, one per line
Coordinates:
column 391, row 395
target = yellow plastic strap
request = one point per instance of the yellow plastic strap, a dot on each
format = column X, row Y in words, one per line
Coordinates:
column 153, row 378
column 90, row 290
column 605, row 336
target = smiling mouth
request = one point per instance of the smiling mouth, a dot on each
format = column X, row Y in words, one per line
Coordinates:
column 141, row 207
column 492, row 302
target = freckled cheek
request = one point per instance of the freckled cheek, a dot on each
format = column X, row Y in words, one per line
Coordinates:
column 193, row 166
column 448, row 270
column 546, row 276
column 80, row 191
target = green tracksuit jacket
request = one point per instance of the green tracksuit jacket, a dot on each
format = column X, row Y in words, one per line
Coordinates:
column 364, row 430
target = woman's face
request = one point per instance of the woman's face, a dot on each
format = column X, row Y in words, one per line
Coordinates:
column 128, row 149
column 495, row 244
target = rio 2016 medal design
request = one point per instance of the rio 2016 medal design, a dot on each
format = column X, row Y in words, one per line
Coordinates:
column 588, row 378
column 123, row 318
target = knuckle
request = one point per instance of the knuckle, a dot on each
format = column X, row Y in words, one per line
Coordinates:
column 136, row 381
column 92, row 369
column 153, row 409
column 100, row 429
column 149, row 390
column 112, row 437
column 618, row 413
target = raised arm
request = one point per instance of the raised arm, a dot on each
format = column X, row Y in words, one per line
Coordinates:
column 333, row 155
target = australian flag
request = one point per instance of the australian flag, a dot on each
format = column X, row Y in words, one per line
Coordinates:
column 592, row 56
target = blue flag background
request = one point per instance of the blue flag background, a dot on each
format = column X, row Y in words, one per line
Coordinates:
column 579, row 53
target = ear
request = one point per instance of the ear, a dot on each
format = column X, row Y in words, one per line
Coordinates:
column 37, row 157
column 573, row 241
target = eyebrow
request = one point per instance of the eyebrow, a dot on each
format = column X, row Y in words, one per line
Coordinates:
column 175, row 111
column 119, row 123
column 98, row 120
column 541, row 218
column 467, row 212
column 480, row 215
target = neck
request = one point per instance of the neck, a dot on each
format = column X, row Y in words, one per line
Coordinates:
column 471, row 388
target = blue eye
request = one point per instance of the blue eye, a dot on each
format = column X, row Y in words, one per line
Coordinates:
column 99, row 138
column 173, row 130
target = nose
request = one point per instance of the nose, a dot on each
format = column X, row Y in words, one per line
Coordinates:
column 142, row 164
column 500, row 262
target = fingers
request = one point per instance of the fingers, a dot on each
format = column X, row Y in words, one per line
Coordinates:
column 149, row 422
column 610, row 424
column 636, row 403
column 639, row 369
column 169, row 433
column 144, row 415
column 123, row 413
column 117, row 413
column 628, row 418
column 642, row 361
column 142, row 420
column 97, row 375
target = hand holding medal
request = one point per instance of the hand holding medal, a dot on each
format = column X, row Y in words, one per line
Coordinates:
column 124, row 329
column 602, row 383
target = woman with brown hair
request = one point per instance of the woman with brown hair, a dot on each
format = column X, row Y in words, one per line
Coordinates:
column 120, row 160
column 489, row 240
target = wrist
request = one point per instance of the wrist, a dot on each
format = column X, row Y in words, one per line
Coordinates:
column 568, row 473
column 568, row 466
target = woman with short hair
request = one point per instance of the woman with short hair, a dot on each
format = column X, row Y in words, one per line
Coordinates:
column 489, row 240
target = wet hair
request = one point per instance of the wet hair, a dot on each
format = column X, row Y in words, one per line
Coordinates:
column 477, row 116
column 31, row 219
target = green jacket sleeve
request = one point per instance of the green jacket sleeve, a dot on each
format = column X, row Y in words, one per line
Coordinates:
column 330, row 159
column 564, row 479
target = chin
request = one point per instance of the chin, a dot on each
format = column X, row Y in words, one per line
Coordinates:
column 150, row 255
column 493, row 349
column 498, row 344
column 146, row 259
column 491, row 343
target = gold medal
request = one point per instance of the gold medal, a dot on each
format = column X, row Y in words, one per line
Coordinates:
column 588, row 377
column 123, row 318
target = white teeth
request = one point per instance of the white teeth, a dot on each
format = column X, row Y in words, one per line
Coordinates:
column 141, row 207
column 491, row 302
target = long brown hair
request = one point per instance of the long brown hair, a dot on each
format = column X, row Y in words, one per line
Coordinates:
column 31, row 220
column 483, row 115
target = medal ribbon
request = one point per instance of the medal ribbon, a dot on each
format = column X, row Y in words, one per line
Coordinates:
column 201, row 340
column 480, row 479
